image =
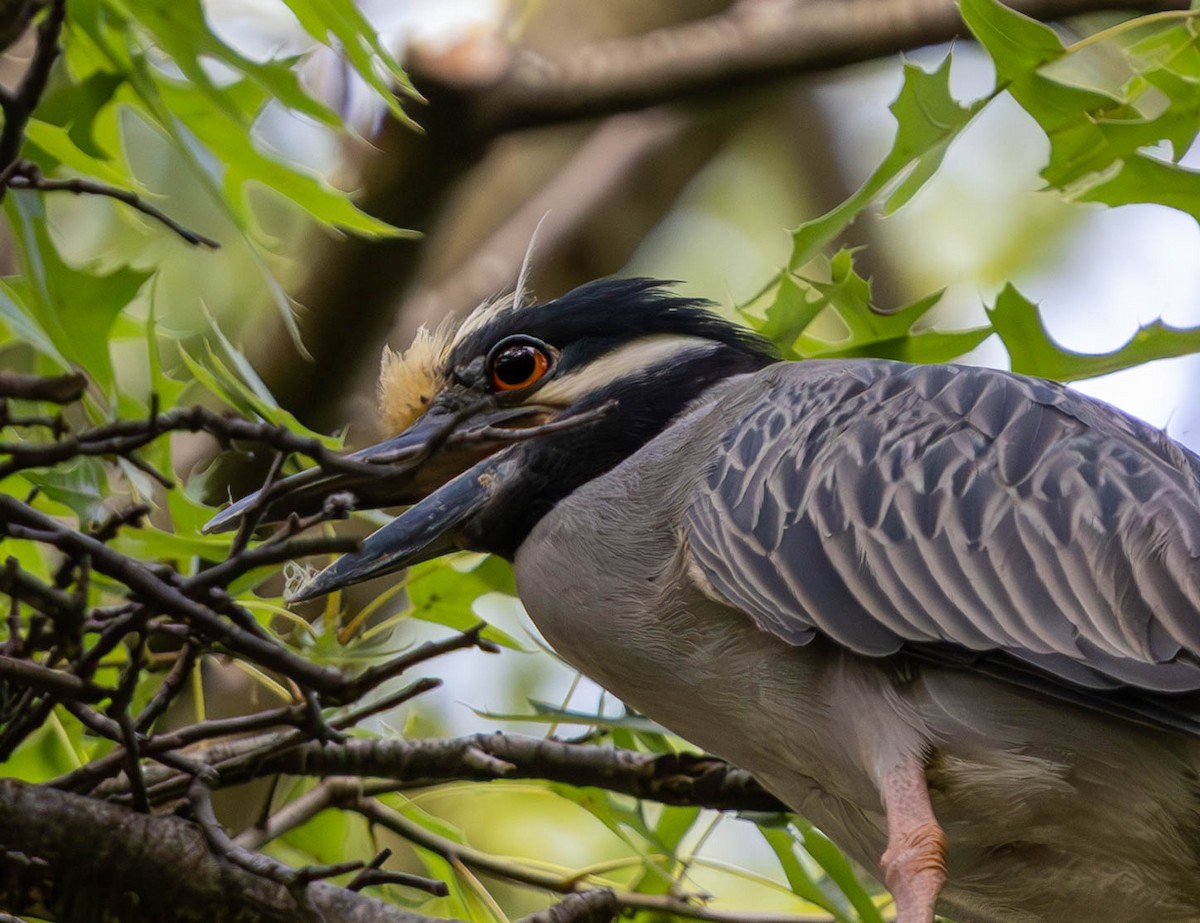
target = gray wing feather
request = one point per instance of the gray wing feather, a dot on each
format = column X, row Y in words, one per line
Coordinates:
column 895, row 508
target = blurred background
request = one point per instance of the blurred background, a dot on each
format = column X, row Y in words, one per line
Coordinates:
column 700, row 191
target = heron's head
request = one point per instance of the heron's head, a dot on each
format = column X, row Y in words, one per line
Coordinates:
column 498, row 419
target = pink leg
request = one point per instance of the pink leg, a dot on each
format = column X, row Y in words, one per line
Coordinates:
column 914, row 864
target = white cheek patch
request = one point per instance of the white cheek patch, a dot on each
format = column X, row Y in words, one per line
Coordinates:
column 622, row 363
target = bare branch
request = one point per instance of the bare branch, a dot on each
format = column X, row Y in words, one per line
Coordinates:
column 292, row 815
column 27, row 176
column 596, row 906
column 200, row 797
column 53, row 682
column 523, row 873
column 49, row 600
column 57, row 389
column 674, row 778
column 97, row 861
column 749, row 44
column 18, row 107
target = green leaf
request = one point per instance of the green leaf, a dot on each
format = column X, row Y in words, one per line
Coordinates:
column 151, row 544
column 343, row 27
column 80, row 486
column 783, row 844
column 1097, row 133
column 673, row 825
column 248, row 398
column 75, row 107
column 75, row 309
column 181, row 30
column 1144, row 179
column 209, row 124
column 839, row 870
column 54, row 748
column 167, row 389
column 1033, row 352
column 230, row 141
column 928, row 118
column 870, row 329
column 788, row 315
column 1018, row 45
column 440, row 593
column 21, row 321
column 52, row 145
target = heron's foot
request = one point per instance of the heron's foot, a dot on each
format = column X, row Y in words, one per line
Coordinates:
column 914, row 870
column 914, row 864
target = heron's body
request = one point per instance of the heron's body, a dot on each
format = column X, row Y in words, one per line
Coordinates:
column 950, row 615
column 1042, row 821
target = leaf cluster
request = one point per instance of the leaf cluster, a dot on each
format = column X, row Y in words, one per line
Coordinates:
column 1118, row 108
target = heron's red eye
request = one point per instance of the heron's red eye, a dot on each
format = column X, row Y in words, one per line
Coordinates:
column 519, row 367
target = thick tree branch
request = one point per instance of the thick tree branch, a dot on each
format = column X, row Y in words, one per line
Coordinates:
column 79, row 860
column 749, row 44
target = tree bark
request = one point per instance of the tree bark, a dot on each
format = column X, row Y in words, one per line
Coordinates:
column 80, row 860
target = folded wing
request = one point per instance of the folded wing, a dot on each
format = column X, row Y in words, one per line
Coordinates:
column 967, row 516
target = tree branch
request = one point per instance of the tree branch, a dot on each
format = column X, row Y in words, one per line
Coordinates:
column 751, row 43
column 596, row 906
column 57, row 389
column 690, row 906
column 673, row 778
column 79, row 860
column 18, row 107
column 26, row 175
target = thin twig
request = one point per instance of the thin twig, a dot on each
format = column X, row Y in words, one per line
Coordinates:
column 172, row 685
column 53, row 682
column 243, row 758
column 61, row 607
column 513, row 870
column 376, row 676
column 368, row 877
column 298, row 811
column 254, row 512
column 200, row 798
column 28, row 176
column 133, row 764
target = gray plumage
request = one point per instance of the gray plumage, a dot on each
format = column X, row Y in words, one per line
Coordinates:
column 883, row 526
column 951, row 615
column 891, row 507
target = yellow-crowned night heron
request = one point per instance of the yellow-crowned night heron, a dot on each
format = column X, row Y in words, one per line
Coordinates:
column 951, row 615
